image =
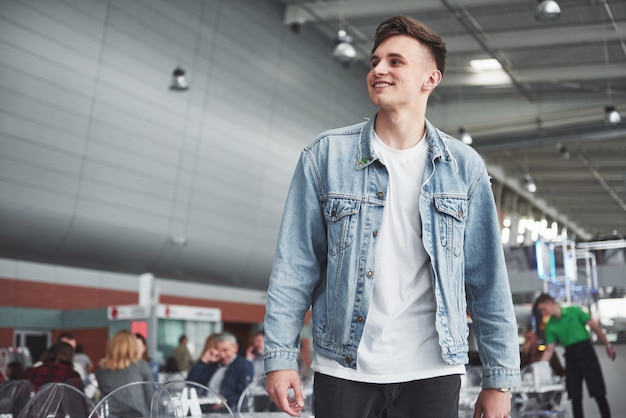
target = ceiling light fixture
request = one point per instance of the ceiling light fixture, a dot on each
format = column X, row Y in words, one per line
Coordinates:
column 485, row 64
column 179, row 240
column 611, row 115
column 465, row 136
column 563, row 151
column 344, row 51
column 529, row 184
column 179, row 81
column 547, row 11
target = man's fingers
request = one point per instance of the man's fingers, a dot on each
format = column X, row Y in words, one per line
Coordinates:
column 285, row 390
column 296, row 397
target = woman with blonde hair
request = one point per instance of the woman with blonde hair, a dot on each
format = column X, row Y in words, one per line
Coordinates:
column 120, row 366
column 209, row 352
column 208, row 355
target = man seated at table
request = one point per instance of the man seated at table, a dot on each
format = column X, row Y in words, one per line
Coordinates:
column 228, row 376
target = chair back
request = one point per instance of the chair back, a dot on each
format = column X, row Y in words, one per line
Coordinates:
column 57, row 400
column 132, row 400
column 175, row 399
column 14, row 395
column 195, row 399
column 255, row 398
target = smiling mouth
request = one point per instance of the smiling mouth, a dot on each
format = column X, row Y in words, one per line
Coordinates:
column 381, row 84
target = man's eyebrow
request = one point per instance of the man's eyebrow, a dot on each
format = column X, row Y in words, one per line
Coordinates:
column 390, row 55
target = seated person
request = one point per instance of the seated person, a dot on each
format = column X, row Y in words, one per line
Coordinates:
column 531, row 352
column 120, row 366
column 56, row 366
column 228, row 376
column 14, row 371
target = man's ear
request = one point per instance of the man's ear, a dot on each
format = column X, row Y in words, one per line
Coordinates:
column 433, row 80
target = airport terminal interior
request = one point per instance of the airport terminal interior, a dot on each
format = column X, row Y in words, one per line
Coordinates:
column 147, row 147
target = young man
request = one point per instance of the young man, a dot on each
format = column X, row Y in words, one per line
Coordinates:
column 390, row 233
column 568, row 326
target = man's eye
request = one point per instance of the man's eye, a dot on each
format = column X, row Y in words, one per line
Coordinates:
column 396, row 62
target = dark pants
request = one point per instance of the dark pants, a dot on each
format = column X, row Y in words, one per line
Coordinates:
column 427, row 398
column 581, row 363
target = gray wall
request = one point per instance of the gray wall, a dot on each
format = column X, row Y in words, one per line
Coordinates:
column 101, row 164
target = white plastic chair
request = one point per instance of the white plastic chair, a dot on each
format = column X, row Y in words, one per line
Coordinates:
column 133, row 400
column 57, row 400
column 255, row 398
column 195, row 399
column 175, row 399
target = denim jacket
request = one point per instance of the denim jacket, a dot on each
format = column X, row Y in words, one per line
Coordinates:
column 326, row 247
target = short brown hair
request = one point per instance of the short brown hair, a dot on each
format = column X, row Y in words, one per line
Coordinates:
column 405, row 25
column 541, row 299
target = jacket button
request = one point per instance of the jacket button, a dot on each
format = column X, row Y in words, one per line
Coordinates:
column 460, row 213
column 348, row 359
column 360, row 318
column 380, row 195
column 375, row 233
column 369, row 273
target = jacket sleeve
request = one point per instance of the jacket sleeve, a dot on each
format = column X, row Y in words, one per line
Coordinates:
column 200, row 373
column 489, row 297
column 298, row 266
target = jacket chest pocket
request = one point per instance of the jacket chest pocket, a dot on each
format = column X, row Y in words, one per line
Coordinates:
column 451, row 217
column 340, row 215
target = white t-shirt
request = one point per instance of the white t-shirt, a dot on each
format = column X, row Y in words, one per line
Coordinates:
column 399, row 342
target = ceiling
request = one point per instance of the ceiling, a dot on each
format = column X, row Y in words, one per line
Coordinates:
column 542, row 114
column 103, row 167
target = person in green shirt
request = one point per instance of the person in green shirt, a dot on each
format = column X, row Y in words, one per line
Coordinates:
column 568, row 325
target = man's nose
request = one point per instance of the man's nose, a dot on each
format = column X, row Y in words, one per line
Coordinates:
column 379, row 68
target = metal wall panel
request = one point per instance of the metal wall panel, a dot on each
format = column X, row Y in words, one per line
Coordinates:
column 92, row 136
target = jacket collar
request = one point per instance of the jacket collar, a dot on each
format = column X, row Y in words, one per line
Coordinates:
column 366, row 154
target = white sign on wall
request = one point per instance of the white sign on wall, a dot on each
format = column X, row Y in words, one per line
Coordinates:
column 189, row 313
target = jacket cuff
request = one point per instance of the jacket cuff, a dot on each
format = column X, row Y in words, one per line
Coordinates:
column 281, row 360
column 511, row 379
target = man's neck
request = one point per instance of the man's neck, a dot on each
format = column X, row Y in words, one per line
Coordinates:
column 399, row 130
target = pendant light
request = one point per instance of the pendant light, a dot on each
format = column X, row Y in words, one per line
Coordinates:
column 179, row 81
column 547, row 11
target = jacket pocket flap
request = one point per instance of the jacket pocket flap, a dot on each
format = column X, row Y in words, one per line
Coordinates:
column 455, row 207
column 336, row 209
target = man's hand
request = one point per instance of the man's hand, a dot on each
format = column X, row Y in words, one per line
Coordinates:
column 278, row 383
column 210, row 355
column 250, row 352
column 492, row 404
column 610, row 351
